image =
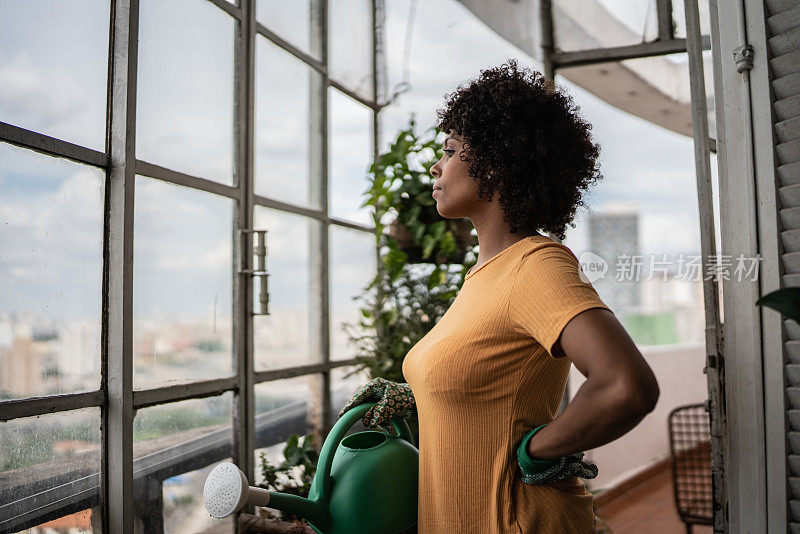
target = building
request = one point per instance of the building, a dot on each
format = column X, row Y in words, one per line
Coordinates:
column 614, row 236
column 21, row 368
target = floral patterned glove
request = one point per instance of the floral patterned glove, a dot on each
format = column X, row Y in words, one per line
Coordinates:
column 542, row 471
column 391, row 399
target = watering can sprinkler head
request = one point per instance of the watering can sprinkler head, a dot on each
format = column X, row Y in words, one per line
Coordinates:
column 227, row 491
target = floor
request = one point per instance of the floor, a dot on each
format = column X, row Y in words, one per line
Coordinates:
column 647, row 508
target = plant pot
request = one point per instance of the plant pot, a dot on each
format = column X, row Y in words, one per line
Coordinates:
column 413, row 251
column 255, row 524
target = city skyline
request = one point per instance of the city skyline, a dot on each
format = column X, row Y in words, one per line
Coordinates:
column 183, row 248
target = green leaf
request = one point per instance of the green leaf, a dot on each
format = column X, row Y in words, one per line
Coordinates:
column 435, row 278
column 413, row 213
column 418, row 231
column 428, row 243
column 291, row 442
column 786, row 301
column 438, row 228
column 448, row 244
column 389, row 317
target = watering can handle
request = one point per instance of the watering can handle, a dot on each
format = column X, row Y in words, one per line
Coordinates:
column 336, row 435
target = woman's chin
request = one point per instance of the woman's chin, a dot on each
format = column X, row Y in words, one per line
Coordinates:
column 447, row 214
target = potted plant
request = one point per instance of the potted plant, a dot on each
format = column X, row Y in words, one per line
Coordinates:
column 293, row 475
column 416, row 253
column 400, row 183
column 422, row 258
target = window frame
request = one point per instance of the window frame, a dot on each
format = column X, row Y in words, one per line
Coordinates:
column 116, row 397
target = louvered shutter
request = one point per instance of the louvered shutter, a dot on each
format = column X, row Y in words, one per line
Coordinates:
column 784, row 43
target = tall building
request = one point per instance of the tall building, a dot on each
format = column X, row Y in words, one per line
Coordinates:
column 78, row 351
column 20, row 368
column 614, row 236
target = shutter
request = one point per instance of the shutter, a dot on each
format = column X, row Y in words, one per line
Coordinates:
column 783, row 22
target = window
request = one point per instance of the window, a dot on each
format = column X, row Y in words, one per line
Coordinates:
column 136, row 258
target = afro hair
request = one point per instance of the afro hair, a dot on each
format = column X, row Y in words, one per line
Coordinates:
column 525, row 139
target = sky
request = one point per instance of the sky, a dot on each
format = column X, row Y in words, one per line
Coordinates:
column 641, row 162
column 53, row 61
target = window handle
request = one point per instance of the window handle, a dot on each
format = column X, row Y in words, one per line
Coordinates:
column 260, row 272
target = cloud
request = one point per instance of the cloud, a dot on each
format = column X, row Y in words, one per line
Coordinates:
column 185, row 123
column 181, row 230
column 56, row 227
column 640, row 161
column 26, row 92
column 51, row 232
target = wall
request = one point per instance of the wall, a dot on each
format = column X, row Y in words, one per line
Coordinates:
column 679, row 370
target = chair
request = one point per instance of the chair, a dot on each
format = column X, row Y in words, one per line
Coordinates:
column 690, row 445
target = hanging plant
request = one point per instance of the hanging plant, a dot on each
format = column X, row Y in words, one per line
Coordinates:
column 400, row 189
column 406, row 298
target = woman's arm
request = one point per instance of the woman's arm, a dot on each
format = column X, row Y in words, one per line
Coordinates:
column 619, row 391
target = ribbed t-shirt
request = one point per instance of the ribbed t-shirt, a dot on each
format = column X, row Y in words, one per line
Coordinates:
column 482, row 377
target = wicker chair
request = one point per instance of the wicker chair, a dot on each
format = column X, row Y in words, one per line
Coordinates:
column 690, row 445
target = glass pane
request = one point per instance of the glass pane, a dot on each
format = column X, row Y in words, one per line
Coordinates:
column 670, row 75
column 283, row 408
column 352, row 267
column 408, row 60
column 49, row 469
column 679, row 17
column 283, row 151
column 344, row 384
column 185, row 88
column 585, row 25
column 711, row 104
column 290, row 20
column 350, row 148
column 175, row 447
column 54, row 68
column 283, row 338
column 718, row 233
column 350, row 45
column 51, row 271
column 612, row 235
column 182, row 279
column 643, row 224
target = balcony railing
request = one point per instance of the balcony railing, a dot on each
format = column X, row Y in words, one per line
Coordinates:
column 32, row 495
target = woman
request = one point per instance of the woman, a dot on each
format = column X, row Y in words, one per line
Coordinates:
column 486, row 382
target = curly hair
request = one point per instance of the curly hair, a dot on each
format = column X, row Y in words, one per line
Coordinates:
column 525, row 138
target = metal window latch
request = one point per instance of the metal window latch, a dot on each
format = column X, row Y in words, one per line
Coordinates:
column 711, row 362
column 260, row 272
column 743, row 56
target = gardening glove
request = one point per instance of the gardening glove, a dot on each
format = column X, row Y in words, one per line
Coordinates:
column 392, row 399
column 542, row 471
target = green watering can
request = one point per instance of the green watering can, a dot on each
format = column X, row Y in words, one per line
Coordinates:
column 369, row 486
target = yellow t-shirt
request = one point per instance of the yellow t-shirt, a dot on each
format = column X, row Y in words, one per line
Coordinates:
column 483, row 377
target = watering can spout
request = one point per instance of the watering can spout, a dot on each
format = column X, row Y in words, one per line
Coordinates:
column 227, row 491
column 375, row 475
column 315, row 512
